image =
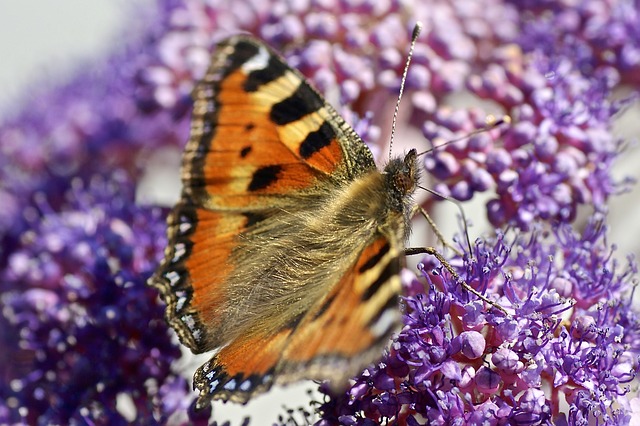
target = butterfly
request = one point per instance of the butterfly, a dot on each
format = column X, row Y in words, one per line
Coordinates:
column 285, row 249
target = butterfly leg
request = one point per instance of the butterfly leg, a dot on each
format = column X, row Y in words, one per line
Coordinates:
column 417, row 208
column 434, row 252
column 433, row 226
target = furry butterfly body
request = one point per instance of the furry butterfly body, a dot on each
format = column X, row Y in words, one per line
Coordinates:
column 285, row 250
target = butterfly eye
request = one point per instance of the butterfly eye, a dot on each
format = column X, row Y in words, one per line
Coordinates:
column 405, row 183
column 408, row 179
column 405, row 177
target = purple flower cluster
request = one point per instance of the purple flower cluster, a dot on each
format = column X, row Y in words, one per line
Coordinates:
column 83, row 337
column 551, row 360
column 79, row 326
column 556, row 156
column 555, row 79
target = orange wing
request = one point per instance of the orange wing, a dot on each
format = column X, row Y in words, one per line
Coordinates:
column 262, row 143
column 261, row 138
column 350, row 326
column 261, row 134
column 343, row 331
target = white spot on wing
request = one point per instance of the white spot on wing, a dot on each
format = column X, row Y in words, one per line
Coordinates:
column 179, row 251
column 245, row 386
column 258, row 62
column 173, row 277
column 230, row 385
column 213, row 385
column 180, row 303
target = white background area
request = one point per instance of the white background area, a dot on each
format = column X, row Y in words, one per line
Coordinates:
column 44, row 39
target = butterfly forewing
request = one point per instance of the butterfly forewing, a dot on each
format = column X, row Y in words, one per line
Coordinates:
column 261, row 133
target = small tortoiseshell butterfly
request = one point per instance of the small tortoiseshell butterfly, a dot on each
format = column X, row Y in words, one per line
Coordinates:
column 285, row 250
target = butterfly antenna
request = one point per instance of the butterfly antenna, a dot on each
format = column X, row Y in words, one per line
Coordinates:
column 492, row 123
column 414, row 37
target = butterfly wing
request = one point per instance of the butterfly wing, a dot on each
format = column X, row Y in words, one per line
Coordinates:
column 340, row 334
column 260, row 137
column 260, row 238
column 348, row 328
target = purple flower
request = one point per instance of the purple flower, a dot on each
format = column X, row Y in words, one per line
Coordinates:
column 555, row 80
column 82, row 334
column 450, row 364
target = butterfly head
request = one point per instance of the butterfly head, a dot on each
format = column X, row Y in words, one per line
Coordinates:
column 402, row 176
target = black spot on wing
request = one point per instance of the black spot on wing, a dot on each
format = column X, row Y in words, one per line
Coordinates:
column 301, row 103
column 253, row 218
column 317, row 140
column 263, row 177
column 373, row 261
column 274, row 70
column 245, row 151
column 389, row 271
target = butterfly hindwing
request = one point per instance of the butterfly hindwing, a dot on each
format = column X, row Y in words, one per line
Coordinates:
column 243, row 368
column 349, row 327
column 340, row 333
